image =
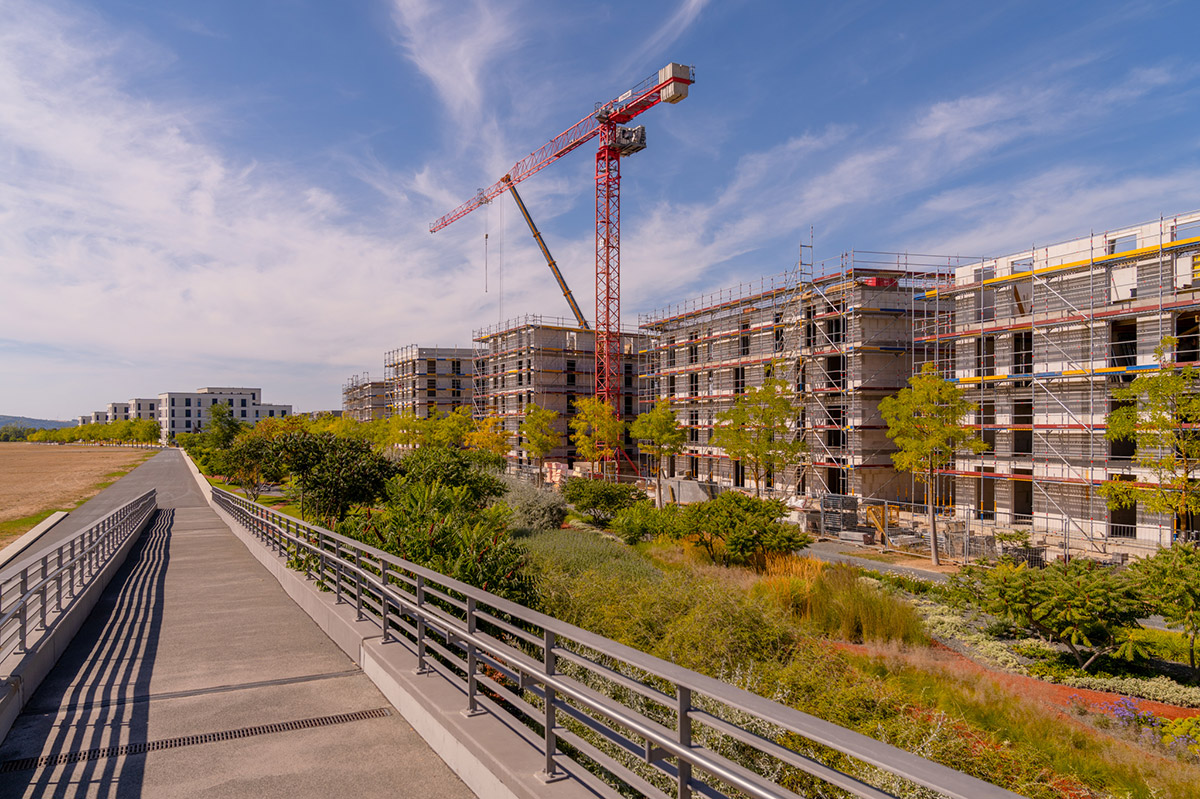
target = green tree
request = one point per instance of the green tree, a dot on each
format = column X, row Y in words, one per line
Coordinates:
column 757, row 430
column 470, row 471
column 660, row 435
column 407, row 430
column 927, row 422
column 596, row 430
column 222, row 428
column 451, row 430
column 539, row 434
column 1090, row 609
column 1170, row 582
column 1160, row 412
column 252, row 462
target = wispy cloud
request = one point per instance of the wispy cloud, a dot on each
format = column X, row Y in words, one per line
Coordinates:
column 669, row 31
column 456, row 49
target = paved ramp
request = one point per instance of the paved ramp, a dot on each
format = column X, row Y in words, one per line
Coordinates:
column 196, row 676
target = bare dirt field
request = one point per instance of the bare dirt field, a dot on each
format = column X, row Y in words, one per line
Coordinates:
column 38, row 477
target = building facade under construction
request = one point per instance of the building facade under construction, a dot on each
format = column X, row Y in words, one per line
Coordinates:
column 840, row 334
column 364, row 399
column 1039, row 339
column 428, row 381
column 549, row 362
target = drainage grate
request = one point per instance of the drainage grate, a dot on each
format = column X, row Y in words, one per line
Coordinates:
column 28, row 763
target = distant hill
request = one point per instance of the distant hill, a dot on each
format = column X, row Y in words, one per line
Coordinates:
column 25, row 421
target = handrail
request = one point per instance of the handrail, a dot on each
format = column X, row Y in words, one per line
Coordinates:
column 663, row 738
column 57, row 575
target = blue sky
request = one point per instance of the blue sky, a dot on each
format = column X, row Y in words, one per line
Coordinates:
column 233, row 193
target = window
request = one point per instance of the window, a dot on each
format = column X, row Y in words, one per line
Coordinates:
column 835, row 330
column 694, row 385
column 456, row 367
column 188, row 424
column 570, row 373
column 1023, row 417
column 987, row 422
column 1123, row 283
column 744, row 342
column 986, row 352
column 1122, row 244
column 670, row 352
column 1023, row 353
column 271, row 412
column 1122, row 347
column 187, row 413
column 694, row 426
column 693, row 353
column 243, row 414
column 243, row 404
column 739, row 380
column 520, row 373
column 230, row 402
column 778, row 332
column 431, row 366
column 187, row 401
column 670, row 385
column 172, row 402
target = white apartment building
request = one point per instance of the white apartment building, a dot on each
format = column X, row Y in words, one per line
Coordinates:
column 188, row 411
column 118, row 411
column 143, row 408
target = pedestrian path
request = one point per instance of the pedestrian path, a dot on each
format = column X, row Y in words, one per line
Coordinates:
column 197, row 676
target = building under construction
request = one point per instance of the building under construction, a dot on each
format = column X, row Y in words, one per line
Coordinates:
column 428, row 381
column 364, row 399
column 840, row 332
column 1039, row 339
column 548, row 362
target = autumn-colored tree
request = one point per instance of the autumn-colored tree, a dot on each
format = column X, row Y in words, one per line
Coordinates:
column 489, row 435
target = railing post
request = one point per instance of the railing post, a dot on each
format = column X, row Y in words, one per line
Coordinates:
column 421, row 667
column 24, row 606
column 684, row 727
column 383, row 601
column 42, row 591
column 337, row 571
column 472, row 660
column 58, row 592
column 358, row 585
column 550, row 773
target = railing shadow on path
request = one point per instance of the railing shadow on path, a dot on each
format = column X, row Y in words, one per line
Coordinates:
column 98, row 694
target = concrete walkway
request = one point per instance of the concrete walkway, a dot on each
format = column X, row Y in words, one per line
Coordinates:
column 208, row 681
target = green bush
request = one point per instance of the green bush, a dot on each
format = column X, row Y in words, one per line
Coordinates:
column 534, row 508
column 738, row 528
column 643, row 521
column 454, row 468
column 600, row 500
column 442, row 528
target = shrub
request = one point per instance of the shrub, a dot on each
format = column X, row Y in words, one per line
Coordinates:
column 600, row 500
column 748, row 528
column 443, row 529
column 845, row 604
column 643, row 521
column 534, row 508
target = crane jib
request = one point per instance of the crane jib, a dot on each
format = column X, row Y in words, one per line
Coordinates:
column 617, row 111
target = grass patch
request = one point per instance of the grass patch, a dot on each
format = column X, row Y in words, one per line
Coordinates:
column 1062, row 744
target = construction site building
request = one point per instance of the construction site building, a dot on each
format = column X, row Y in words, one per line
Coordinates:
column 701, row 355
column 840, row 333
column 428, row 381
column 1039, row 339
column 548, row 362
column 364, row 399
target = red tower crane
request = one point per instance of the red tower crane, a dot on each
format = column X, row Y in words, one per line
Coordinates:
column 670, row 85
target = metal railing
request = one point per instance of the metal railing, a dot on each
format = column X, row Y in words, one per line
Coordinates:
column 31, row 596
column 633, row 722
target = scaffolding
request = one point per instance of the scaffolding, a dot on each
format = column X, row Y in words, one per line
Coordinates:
column 428, row 381
column 839, row 331
column 550, row 362
column 363, row 399
column 1038, row 339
